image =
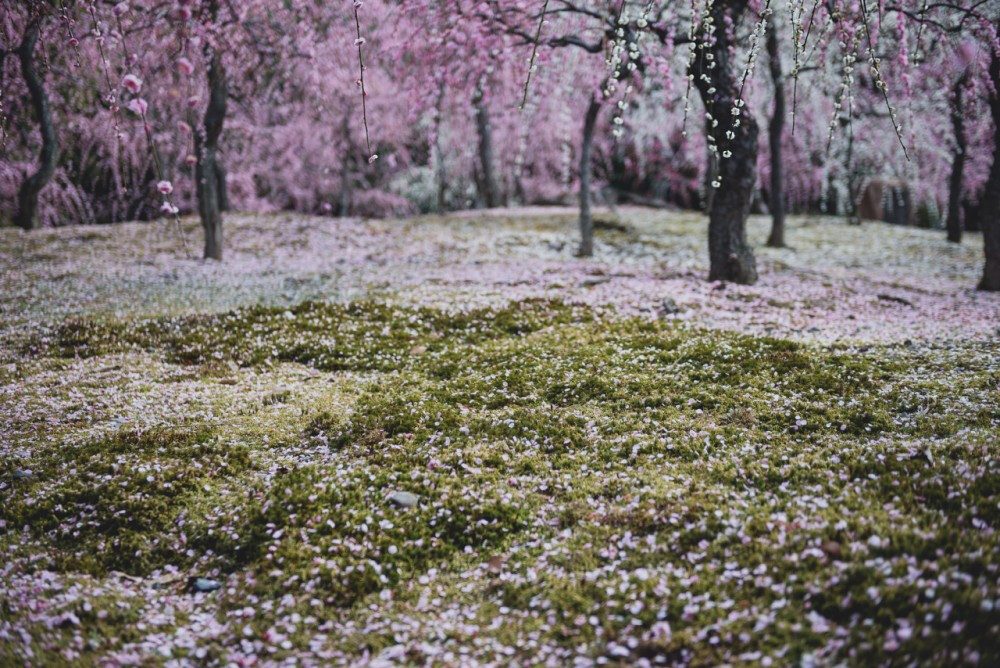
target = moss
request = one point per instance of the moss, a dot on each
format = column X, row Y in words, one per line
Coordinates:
column 344, row 533
column 112, row 504
column 358, row 336
column 626, row 470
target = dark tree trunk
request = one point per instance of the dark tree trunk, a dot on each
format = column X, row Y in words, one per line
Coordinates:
column 489, row 192
column 777, row 196
column 586, row 151
column 730, row 257
column 344, row 208
column 440, row 173
column 220, row 177
column 27, row 195
column 345, row 189
column 711, row 174
column 206, row 170
column 954, row 222
column 989, row 205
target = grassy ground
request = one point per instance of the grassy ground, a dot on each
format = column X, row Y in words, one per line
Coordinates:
column 613, row 461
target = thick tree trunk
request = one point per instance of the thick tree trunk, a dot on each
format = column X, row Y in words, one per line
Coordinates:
column 220, row 177
column 989, row 205
column 489, row 192
column 711, row 174
column 586, row 151
column 730, row 257
column 954, row 222
column 27, row 195
column 777, row 199
column 206, row 170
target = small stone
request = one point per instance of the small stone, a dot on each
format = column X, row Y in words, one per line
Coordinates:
column 832, row 549
column 418, row 350
column 895, row 300
column 495, row 564
column 22, row 474
column 205, row 584
column 403, row 499
column 669, row 306
column 594, row 280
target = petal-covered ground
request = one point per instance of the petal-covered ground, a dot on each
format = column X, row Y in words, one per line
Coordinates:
column 448, row 441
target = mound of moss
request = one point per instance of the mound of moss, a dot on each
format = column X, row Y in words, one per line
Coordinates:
column 621, row 488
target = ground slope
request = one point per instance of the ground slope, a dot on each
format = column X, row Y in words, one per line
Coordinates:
column 447, row 441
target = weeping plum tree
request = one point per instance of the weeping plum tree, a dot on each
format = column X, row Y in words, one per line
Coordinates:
column 954, row 219
column 989, row 206
column 489, row 191
column 209, row 185
column 586, row 155
column 732, row 131
column 776, row 200
column 27, row 196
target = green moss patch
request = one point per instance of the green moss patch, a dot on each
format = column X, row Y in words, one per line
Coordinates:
column 120, row 503
column 586, row 486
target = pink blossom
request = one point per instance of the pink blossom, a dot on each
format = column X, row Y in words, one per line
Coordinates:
column 165, row 187
column 132, row 83
column 138, row 106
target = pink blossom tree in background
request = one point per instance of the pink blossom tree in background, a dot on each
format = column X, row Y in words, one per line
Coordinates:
column 163, row 107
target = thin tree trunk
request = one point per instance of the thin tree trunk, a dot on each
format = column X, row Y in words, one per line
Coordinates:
column 954, row 222
column 206, row 147
column 27, row 195
column 490, row 194
column 989, row 206
column 730, row 256
column 345, row 189
column 440, row 173
column 777, row 199
column 586, row 150
column 345, row 170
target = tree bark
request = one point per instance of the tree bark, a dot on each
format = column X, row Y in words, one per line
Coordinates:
column 730, row 256
column 27, row 195
column 440, row 173
column 777, row 199
column 954, row 222
column 586, row 151
column 220, row 177
column 989, row 206
column 206, row 169
column 711, row 174
column 490, row 194
column 344, row 207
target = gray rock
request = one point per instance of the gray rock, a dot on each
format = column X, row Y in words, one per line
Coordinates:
column 669, row 307
column 594, row 280
column 22, row 474
column 403, row 499
column 205, row 585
